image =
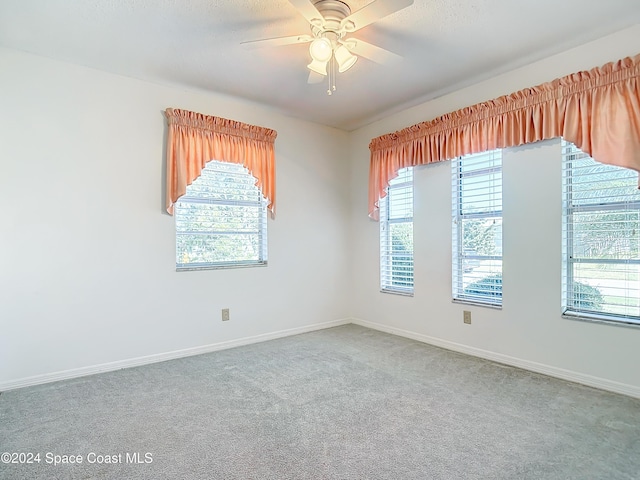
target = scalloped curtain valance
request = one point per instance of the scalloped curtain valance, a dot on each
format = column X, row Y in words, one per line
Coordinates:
column 194, row 139
column 597, row 110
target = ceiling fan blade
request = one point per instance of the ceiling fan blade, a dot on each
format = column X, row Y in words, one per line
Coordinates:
column 370, row 13
column 372, row 52
column 315, row 77
column 309, row 11
column 277, row 41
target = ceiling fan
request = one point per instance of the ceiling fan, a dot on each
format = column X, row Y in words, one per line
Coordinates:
column 331, row 22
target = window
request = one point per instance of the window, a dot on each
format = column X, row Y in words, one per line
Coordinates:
column 477, row 228
column 221, row 221
column 396, row 235
column 601, row 237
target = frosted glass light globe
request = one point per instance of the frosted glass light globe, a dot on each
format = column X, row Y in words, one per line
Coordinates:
column 320, row 49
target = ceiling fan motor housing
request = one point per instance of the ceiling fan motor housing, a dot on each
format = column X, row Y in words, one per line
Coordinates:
column 333, row 11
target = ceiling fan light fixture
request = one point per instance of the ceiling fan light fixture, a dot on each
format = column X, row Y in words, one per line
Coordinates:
column 318, row 67
column 345, row 58
column 321, row 50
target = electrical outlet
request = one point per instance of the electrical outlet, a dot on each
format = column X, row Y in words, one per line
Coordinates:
column 225, row 314
column 466, row 316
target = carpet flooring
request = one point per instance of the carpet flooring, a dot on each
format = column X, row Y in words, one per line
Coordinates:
column 342, row 403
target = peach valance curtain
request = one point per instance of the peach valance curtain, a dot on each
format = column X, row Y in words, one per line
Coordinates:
column 597, row 110
column 195, row 139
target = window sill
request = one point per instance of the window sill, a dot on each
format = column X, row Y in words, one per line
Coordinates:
column 608, row 320
column 220, row 267
column 476, row 303
column 402, row 293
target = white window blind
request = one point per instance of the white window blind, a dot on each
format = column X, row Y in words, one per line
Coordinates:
column 396, row 235
column 221, row 221
column 477, row 228
column 601, row 237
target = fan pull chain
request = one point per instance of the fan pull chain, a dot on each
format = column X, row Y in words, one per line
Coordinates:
column 332, row 77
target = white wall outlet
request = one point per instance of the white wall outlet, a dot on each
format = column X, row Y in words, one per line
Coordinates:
column 225, row 314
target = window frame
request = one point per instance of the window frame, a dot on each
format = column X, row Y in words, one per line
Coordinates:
column 405, row 179
column 213, row 170
column 462, row 255
column 571, row 153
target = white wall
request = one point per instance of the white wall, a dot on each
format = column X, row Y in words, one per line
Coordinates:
column 527, row 331
column 87, row 272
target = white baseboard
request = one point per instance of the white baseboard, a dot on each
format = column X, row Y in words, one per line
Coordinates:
column 161, row 357
column 597, row 382
column 591, row 381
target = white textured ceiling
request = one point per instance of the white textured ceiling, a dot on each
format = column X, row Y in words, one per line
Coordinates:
column 196, row 43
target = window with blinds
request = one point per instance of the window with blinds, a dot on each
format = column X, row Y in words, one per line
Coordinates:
column 601, row 237
column 477, row 228
column 221, row 221
column 396, row 235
